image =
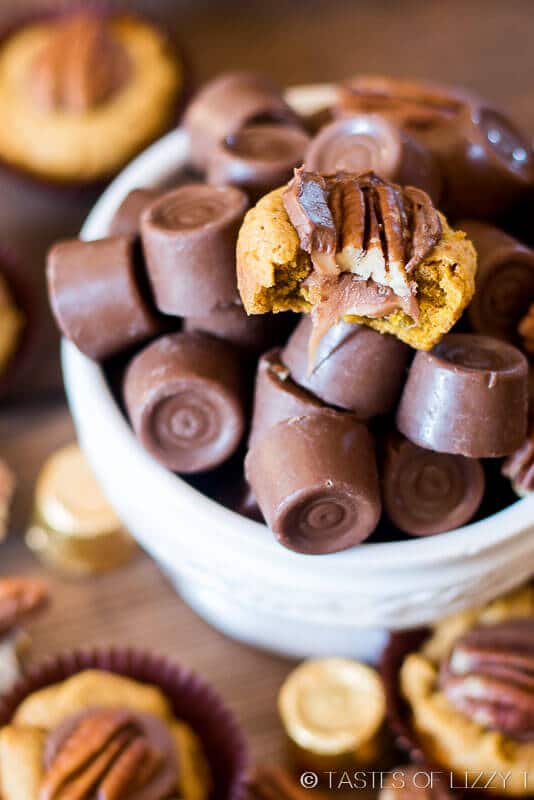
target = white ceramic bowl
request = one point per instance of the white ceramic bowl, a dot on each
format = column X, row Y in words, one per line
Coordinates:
column 230, row 569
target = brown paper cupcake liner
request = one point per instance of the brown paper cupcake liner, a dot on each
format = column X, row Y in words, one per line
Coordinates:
column 400, row 645
column 192, row 700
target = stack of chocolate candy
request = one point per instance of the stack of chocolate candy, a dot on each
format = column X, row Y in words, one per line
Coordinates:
column 369, row 429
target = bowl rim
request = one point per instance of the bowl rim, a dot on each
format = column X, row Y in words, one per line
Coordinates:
column 151, row 168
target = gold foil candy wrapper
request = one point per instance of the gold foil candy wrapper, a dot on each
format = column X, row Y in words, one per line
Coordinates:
column 333, row 712
column 74, row 529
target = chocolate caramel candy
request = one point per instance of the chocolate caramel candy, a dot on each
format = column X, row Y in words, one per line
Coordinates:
column 185, row 400
column 369, row 142
column 426, row 492
column 487, row 165
column 468, row 395
column 189, row 237
column 257, row 158
column 354, row 367
column 315, row 481
column 126, row 220
column 504, row 281
column 489, row 677
column 228, row 103
column 277, row 397
column 253, row 333
column 96, row 295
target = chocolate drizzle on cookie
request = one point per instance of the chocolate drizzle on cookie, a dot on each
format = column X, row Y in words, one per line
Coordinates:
column 365, row 236
column 490, row 677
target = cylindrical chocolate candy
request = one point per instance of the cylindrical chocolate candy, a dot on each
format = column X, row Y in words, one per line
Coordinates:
column 468, row 395
column 355, row 368
column 316, row 483
column 126, row 220
column 185, row 400
column 96, row 294
column 426, row 492
column 365, row 142
column 277, row 397
column 487, row 165
column 228, row 103
column 504, row 281
column 257, row 158
column 253, row 333
column 74, row 529
column 189, row 238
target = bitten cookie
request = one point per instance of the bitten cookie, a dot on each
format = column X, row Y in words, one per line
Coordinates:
column 356, row 248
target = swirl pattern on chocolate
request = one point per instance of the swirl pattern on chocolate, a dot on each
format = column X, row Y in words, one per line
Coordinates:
column 315, row 481
column 112, row 754
column 426, row 492
column 184, row 397
column 489, row 677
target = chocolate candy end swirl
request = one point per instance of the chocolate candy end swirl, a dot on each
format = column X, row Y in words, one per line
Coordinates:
column 112, row 754
column 427, row 492
column 183, row 395
column 489, row 677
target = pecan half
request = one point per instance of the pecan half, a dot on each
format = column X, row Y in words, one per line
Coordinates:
column 80, row 67
column 110, row 754
column 490, row 677
column 526, row 331
column 363, row 225
column 19, row 597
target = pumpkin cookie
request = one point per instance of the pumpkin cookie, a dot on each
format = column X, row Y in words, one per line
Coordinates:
column 81, row 95
column 356, row 248
column 105, row 732
column 469, row 689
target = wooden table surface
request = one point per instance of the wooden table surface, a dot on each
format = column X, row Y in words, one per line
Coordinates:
column 484, row 43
